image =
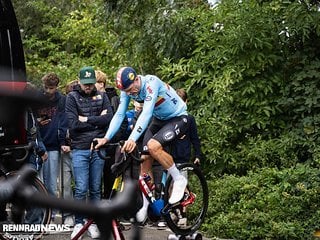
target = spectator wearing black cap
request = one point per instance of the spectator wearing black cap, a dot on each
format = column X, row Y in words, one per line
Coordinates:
column 89, row 114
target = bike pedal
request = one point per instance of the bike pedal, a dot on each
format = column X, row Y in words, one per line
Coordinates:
column 189, row 200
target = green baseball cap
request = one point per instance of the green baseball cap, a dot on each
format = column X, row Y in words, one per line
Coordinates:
column 87, row 75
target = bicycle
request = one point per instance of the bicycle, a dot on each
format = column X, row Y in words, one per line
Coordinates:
column 16, row 155
column 20, row 188
column 119, row 170
column 185, row 217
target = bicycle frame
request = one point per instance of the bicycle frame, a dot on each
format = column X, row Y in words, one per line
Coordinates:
column 117, row 235
column 118, row 186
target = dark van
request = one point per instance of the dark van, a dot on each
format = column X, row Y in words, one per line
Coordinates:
column 12, row 81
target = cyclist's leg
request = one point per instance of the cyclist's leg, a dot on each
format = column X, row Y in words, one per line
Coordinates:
column 146, row 167
column 166, row 160
column 170, row 130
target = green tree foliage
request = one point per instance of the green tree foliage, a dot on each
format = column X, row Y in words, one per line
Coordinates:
column 253, row 83
column 67, row 36
column 152, row 30
column 105, row 34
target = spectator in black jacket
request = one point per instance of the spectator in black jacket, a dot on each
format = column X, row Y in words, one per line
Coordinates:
column 181, row 149
column 89, row 113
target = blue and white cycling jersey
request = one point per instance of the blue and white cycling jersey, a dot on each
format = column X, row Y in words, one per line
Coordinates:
column 160, row 101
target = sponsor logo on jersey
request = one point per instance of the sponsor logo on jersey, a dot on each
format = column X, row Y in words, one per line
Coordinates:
column 168, row 135
column 139, row 130
column 148, row 98
column 149, row 89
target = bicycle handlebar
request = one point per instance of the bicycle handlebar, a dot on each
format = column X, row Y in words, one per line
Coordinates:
column 133, row 154
column 16, row 147
column 102, row 212
column 9, row 149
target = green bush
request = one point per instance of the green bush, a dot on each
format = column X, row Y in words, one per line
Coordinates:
column 267, row 204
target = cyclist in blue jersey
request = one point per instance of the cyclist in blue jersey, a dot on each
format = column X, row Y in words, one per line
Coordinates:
column 163, row 119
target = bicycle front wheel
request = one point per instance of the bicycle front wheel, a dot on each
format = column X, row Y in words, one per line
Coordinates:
column 34, row 217
column 187, row 216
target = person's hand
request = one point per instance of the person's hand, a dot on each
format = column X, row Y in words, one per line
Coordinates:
column 44, row 157
column 44, row 122
column 83, row 119
column 196, row 161
column 100, row 142
column 104, row 112
column 128, row 146
column 65, row 149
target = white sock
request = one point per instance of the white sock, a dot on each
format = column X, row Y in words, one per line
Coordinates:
column 174, row 172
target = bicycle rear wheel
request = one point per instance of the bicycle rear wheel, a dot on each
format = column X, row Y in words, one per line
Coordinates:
column 34, row 217
column 186, row 217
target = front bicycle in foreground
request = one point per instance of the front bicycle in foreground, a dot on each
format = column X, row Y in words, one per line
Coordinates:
column 103, row 212
column 11, row 212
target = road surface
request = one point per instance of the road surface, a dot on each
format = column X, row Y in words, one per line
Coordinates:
column 149, row 232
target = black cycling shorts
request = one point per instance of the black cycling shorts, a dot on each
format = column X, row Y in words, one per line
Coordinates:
column 165, row 131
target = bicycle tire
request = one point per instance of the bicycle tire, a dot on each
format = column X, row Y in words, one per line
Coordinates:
column 44, row 214
column 193, row 214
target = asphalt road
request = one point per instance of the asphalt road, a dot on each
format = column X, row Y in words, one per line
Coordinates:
column 149, row 232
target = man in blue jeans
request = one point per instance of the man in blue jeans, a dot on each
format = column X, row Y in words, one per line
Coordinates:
column 89, row 114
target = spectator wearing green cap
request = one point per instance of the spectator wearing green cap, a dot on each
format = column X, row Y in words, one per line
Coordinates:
column 89, row 114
